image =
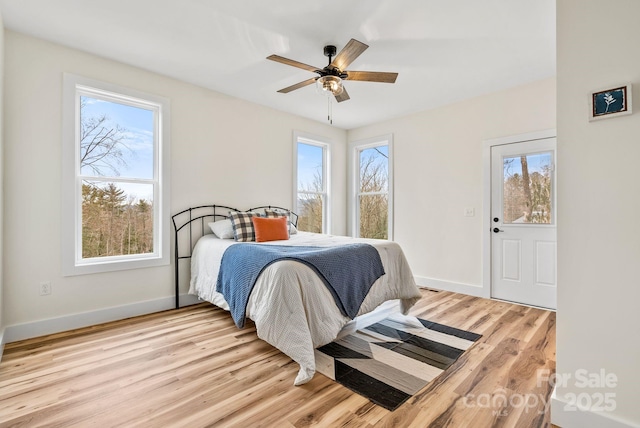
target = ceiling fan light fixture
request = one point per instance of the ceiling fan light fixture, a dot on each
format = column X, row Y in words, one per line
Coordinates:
column 329, row 85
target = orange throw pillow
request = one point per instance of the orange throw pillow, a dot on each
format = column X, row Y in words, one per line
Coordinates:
column 271, row 229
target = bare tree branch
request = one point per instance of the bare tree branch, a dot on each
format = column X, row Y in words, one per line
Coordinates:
column 101, row 144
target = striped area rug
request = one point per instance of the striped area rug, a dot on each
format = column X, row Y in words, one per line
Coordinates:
column 391, row 360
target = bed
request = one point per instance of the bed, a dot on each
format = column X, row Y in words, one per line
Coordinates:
column 292, row 308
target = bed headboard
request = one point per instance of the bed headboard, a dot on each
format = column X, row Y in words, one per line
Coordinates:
column 191, row 224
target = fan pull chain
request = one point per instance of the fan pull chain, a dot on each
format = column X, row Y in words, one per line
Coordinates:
column 329, row 112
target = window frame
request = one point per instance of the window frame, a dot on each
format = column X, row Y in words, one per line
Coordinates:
column 355, row 148
column 325, row 144
column 72, row 261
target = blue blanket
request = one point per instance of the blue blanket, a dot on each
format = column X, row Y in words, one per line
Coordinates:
column 348, row 271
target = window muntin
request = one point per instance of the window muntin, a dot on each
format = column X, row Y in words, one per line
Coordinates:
column 115, row 178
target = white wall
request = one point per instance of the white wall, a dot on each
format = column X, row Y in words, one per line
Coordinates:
column 211, row 134
column 438, row 173
column 598, row 205
column 1, row 180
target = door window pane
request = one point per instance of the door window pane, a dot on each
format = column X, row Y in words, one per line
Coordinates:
column 527, row 192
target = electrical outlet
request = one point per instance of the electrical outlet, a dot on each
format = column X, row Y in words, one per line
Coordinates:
column 45, row 288
column 469, row 212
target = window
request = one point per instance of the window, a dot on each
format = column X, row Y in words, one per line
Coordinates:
column 311, row 183
column 371, row 196
column 115, row 178
column 527, row 191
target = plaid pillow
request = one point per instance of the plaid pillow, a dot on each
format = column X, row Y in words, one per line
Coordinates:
column 275, row 213
column 271, row 213
column 243, row 226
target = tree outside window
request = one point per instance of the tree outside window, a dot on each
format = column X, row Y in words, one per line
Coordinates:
column 371, row 175
column 527, row 188
column 117, row 216
column 311, row 195
column 372, row 195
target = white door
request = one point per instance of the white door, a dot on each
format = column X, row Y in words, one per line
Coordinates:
column 523, row 222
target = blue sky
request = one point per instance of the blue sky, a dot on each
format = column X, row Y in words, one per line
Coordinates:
column 138, row 153
column 138, row 123
column 380, row 156
column 535, row 163
column 309, row 162
column 376, row 152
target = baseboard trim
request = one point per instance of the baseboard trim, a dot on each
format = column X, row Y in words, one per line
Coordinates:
column 455, row 287
column 14, row 333
column 583, row 418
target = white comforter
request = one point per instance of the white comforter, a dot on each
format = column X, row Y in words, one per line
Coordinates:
column 290, row 305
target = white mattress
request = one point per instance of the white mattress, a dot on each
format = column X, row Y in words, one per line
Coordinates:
column 290, row 305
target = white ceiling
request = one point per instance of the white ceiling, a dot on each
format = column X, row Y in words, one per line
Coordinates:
column 444, row 51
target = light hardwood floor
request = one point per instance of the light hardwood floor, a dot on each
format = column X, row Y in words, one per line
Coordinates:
column 193, row 367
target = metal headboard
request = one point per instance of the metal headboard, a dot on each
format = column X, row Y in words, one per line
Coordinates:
column 193, row 221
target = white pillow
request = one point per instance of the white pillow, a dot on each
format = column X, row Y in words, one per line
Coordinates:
column 292, row 229
column 223, row 229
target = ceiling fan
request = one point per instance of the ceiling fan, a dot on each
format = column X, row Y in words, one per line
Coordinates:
column 331, row 77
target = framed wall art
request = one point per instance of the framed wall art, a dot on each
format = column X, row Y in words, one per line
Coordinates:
column 611, row 102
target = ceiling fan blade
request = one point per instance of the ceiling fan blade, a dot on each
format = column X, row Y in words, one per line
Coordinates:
column 298, row 85
column 372, row 76
column 287, row 61
column 344, row 96
column 348, row 54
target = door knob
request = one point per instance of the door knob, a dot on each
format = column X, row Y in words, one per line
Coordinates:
column 496, row 230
